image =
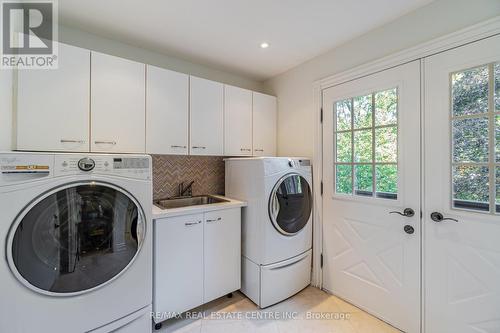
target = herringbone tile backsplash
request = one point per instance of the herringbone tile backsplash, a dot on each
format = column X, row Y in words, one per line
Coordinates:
column 169, row 170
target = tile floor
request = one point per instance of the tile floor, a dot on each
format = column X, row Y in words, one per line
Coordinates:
column 222, row 314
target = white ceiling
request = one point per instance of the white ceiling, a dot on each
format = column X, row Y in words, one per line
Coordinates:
column 226, row 34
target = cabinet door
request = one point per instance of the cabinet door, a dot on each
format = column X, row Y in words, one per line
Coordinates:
column 53, row 105
column 117, row 104
column 206, row 117
column 222, row 249
column 237, row 121
column 166, row 111
column 264, row 125
column 178, row 262
column 6, row 112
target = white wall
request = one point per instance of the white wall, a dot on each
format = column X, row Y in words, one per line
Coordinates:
column 294, row 88
column 93, row 42
column 5, row 109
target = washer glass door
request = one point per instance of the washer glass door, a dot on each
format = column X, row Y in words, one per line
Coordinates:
column 290, row 204
column 76, row 238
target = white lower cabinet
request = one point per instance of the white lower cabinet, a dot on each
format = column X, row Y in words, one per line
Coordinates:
column 178, row 264
column 222, row 251
column 197, row 258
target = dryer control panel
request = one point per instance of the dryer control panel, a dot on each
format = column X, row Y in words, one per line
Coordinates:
column 297, row 163
column 273, row 165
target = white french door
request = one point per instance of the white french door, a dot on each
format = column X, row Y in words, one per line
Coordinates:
column 462, row 177
column 371, row 199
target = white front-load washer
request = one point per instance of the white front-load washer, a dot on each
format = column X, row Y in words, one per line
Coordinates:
column 276, row 224
column 76, row 233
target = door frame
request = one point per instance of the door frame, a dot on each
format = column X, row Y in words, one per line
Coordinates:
column 461, row 37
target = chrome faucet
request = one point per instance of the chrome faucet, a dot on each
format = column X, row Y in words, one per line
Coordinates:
column 186, row 191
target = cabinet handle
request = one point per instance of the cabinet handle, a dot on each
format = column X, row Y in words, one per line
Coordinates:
column 199, row 147
column 192, row 223
column 71, row 141
column 245, row 149
column 175, row 146
column 105, row 142
column 261, row 150
column 215, row 220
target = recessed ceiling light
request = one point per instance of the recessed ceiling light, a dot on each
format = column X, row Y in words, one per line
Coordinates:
column 264, row 45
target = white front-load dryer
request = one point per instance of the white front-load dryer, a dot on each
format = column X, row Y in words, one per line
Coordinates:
column 76, row 233
column 276, row 225
column 288, row 231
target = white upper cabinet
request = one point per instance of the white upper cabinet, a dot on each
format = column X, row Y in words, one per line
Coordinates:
column 167, row 111
column 206, row 117
column 117, row 104
column 53, row 105
column 237, row 121
column 264, row 124
column 102, row 103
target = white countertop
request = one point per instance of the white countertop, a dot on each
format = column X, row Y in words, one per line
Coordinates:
column 159, row 213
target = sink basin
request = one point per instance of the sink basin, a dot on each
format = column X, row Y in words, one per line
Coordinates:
column 189, row 201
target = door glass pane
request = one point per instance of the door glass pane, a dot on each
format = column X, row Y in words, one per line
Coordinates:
column 344, row 179
column 498, row 190
column 364, row 180
column 386, row 144
column 470, row 140
column 363, row 146
column 497, row 135
column 470, row 91
column 344, row 147
column 363, row 111
column 387, row 181
column 497, row 87
column 344, row 113
column 362, row 161
column 386, row 107
column 76, row 239
column 471, row 187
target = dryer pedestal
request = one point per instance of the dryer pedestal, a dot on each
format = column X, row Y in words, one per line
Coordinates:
column 266, row 285
column 137, row 322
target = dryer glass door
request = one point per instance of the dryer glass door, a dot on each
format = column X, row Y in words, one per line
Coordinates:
column 290, row 204
column 76, row 238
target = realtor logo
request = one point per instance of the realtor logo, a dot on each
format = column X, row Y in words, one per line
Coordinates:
column 29, row 32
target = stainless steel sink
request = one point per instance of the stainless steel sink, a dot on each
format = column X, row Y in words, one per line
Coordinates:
column 189, row 201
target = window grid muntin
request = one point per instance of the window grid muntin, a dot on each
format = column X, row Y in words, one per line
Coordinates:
column 373, row 162
column 492, row 163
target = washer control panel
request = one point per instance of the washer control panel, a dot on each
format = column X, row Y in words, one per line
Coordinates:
column 132, row 166
column 86, row 164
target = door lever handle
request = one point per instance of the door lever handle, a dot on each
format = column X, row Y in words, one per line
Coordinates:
column 438, row 217
column 408, row 212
